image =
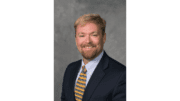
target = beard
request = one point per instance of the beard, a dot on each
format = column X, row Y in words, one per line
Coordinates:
column 90, row 54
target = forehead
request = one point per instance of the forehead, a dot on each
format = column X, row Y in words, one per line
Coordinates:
column 88, row 27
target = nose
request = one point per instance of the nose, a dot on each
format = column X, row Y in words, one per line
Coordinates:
column 88, row 39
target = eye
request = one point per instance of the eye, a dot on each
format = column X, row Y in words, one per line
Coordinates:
column 81, row 35
column 95, row 35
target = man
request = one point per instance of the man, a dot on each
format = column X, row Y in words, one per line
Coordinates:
column 96, row 77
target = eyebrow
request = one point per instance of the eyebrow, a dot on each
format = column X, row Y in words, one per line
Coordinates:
column 80, row 33
column 90, row 33
column 94, row 32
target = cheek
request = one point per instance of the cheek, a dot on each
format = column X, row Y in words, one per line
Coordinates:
column 77, row 43
column 100, row 44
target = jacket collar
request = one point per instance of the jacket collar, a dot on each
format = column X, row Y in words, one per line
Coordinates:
column 94, row 80
column 96, row 77
column 73, row 75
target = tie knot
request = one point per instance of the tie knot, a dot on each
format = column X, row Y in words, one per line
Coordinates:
column 84, row 69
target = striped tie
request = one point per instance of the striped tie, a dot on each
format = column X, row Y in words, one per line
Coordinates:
column 80, row 85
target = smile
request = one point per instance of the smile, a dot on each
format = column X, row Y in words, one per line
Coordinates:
column 88, row 47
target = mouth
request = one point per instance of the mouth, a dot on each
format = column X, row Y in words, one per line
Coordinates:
column 88, row 47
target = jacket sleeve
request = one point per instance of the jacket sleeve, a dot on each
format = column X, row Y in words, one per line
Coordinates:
column 119, row 93
column 63, row 97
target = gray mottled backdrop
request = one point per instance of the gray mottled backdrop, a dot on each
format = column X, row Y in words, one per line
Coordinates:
column 65, row 14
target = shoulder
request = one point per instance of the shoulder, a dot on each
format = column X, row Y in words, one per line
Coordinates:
column 73, row 65
column 116, row 65
column 115, row 68
column 112, row 63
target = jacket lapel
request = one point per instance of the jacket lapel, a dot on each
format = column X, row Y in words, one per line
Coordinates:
column 73, row 75
column 96, row 77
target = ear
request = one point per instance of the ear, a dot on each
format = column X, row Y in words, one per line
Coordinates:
column 104, row 38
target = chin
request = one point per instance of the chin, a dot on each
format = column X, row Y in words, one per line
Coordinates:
column 89, row 56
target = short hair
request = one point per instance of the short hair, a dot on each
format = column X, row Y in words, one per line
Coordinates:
column 93, row 18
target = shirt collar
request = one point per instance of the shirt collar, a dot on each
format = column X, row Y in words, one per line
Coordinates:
column 94, row 61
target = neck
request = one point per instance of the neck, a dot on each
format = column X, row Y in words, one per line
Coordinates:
column 86, row 61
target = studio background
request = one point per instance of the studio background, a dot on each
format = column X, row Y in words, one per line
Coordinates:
column 66, row 12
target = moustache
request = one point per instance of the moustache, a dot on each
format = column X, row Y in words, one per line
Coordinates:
column 88, row 45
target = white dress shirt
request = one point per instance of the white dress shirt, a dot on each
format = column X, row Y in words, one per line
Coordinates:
column 90, row 66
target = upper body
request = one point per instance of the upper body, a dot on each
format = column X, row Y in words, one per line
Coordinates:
column 90, row 66
column 106, row 78
column 107, row 83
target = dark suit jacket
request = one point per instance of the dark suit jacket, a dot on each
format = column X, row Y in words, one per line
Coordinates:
column 107, row 83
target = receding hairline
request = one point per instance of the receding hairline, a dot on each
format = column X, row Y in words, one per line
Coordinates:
column 91, row 18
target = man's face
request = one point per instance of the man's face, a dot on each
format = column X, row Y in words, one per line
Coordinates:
column 89, row 40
